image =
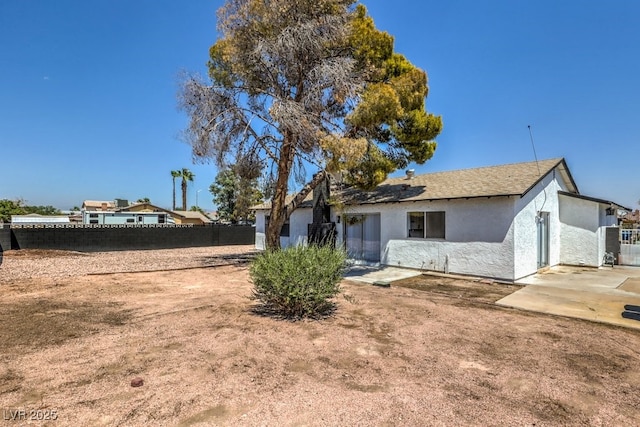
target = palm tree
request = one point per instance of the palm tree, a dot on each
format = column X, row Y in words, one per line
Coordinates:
column 174, row 175
column 186, row 175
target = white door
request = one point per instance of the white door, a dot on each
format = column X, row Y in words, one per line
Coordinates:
column 543, row 239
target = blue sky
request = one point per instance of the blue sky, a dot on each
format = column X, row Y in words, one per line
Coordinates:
column 88, row 105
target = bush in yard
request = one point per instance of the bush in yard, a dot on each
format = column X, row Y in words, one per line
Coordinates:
column 298, row 281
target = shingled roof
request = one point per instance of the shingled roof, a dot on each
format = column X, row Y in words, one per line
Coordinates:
column 306, row 203
column 514, row 179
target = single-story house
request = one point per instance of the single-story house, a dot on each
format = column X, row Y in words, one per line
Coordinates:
column 503, row 222
column 191, row 217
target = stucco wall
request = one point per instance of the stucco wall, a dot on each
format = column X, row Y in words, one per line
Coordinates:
column 478, row 236
column 260, row 230
column 579, row 224
column 543, row 197
column 298, row 222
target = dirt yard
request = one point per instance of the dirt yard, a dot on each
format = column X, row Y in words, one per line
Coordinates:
column 427, row 352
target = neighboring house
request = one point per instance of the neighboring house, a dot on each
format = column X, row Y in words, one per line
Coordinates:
column 98, row 205
column 131, row 218
column 503, row 222
column 141, row 213
column 144, row 207
column 631, row 219
column 36, row 219
column 191, row 217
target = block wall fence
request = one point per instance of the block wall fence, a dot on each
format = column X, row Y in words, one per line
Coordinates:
column 122, row 238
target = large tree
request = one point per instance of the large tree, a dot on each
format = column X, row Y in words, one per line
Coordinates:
column 10, row 207
column 17, row 207
column 234, row 196
column 307, row 82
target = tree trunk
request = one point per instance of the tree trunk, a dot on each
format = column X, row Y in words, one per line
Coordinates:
column 288, row 208
column 174, row 194
column 278, row 213
column 280, row 209
column 184, row 195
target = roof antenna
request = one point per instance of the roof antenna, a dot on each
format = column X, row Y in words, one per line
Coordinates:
column 535, row 156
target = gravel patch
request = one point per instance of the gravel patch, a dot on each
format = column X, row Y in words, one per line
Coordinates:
column 26, row 264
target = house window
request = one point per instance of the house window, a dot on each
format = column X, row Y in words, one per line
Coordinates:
column 429, row 225
column 284, row 231
column 93, row 215
column 416, row 224
column 93, row 221
column 130, row 220
column 161, row 219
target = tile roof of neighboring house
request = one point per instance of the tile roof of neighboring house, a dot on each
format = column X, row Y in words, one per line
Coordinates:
column 98, row 204
column 145, row 207
column 632, row 216
column 514, row 179
column 193, row 215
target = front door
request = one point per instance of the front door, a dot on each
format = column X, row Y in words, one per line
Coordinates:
column 362, row 237
column 543, row 239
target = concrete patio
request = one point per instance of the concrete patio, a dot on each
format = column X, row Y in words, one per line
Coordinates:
column 378, row 274
column 596, row 294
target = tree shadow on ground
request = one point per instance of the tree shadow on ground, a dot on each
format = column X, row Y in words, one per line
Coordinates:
column 235, row 259
column 274, row 312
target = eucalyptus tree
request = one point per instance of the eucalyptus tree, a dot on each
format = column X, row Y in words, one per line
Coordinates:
column 299, row 83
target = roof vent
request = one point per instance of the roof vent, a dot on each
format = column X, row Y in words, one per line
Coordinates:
column 410, row 173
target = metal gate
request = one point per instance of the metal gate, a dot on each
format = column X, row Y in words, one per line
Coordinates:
column 629, row 246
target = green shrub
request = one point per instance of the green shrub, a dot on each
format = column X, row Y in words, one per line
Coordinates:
column 298, row 281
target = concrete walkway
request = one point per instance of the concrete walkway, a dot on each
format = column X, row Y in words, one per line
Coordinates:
column 378, row 274
column 586, row 293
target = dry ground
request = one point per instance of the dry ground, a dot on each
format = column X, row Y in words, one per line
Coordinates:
column 427, row 351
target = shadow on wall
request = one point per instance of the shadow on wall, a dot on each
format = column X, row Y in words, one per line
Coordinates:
column 382, row 194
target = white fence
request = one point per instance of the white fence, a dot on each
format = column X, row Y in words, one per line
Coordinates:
column 629, row 247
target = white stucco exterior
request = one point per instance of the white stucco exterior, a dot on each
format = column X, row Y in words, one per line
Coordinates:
column 472, row 227
column 543, row 197
column 583, row 224
column 298, row 222
column 489, row 236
